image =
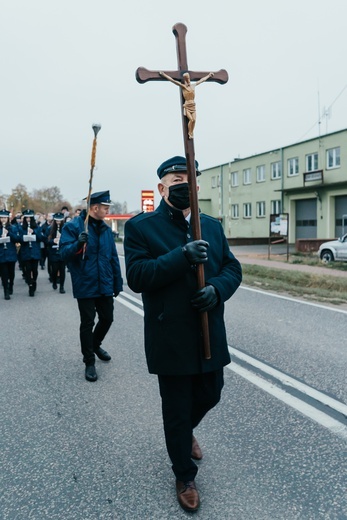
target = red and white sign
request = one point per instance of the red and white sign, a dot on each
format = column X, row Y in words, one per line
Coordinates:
column 147, row 200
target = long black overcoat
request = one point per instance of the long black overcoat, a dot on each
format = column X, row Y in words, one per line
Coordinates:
column 157, row 267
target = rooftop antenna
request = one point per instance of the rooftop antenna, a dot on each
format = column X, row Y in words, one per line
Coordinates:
column 319, row 116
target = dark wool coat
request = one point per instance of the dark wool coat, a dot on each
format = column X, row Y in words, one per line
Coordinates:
column 98, row 273
column 157, row 267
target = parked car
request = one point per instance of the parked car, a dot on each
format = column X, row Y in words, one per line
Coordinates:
column 333, row 250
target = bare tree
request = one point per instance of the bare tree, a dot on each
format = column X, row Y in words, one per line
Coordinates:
column 47, row 199
column 19, row 199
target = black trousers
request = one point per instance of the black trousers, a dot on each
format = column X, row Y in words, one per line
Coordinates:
column 185, row 401
column 92, row 339
column 58, row 267
column 31, row 271
column 44, row 255
column 7, row 274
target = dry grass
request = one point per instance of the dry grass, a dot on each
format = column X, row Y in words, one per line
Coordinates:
column 323, row 288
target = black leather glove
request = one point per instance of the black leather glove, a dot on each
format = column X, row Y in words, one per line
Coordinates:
column 196, row 252
column 205, row 299
column 82, row 238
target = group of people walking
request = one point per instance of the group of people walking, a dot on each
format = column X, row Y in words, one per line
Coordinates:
column 161, row 259
column 31, row 241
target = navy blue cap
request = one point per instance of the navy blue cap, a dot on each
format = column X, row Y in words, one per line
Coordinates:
column 101, row 197
column 28, row 213
column 4, row 213
column 175, row 165
column 58, row 216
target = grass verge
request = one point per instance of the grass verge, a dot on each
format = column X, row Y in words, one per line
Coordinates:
column 322, row 288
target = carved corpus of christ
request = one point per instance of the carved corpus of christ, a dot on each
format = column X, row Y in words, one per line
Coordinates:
column 188, row 92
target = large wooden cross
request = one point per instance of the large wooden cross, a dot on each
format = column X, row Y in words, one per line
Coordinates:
column 143, row 75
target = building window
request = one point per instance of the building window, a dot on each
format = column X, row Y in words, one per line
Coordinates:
column 247, row 210
column 312, row 162
column 333, row 158
column 293, row 166
column 276, row 170
column 234, row 211
column 261, row 209
column 261, row 173
column 213, row 182
column 247, row 176
column 276, row 207
column 234, row 178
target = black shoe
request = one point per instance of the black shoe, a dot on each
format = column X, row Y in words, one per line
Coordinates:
column 91, row 373
column 102, row 354
column 62, row 290
column 31, row 290
column 7, row 295
column 55, row 286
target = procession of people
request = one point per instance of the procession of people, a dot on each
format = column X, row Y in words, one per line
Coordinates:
column 162, row 259
column 29, row 242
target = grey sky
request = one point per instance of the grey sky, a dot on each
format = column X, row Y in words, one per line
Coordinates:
column 69, row 63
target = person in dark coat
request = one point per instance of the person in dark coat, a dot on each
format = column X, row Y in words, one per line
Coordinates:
column 44, row 225
column 9, row 236
column 93, row 263
column 161, row 258
column 30, row 248
column 57, row 264
column 16, row 222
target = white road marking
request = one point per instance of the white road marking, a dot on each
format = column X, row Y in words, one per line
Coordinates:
column 320, row 306
column 301, row 406
column 289, row 381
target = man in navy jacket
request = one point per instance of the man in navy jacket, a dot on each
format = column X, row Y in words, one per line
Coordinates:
column 161, row 258
column 96, row 276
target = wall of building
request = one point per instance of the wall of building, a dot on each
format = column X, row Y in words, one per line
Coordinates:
column 280, row 181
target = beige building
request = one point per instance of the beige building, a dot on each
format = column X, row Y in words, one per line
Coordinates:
column 306, row 180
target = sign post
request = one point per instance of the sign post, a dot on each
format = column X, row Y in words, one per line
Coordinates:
column 279, row 230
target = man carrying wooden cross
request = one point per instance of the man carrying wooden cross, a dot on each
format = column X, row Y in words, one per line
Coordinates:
column 161, row 261
column 179, row 259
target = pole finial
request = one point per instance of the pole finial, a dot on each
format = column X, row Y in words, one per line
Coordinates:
column 96, row 128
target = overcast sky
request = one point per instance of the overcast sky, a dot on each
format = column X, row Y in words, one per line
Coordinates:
column 69, row 63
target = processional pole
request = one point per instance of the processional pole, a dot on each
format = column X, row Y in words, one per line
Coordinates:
column 96, row 129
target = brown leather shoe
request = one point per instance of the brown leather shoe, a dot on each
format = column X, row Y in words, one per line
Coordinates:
column 196, row 451
column 187, row 495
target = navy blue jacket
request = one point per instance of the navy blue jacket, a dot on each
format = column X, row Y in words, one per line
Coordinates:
column 157, row 267
column 9, row 253
column 33, row 251
column 53, row 249
column 98, row 273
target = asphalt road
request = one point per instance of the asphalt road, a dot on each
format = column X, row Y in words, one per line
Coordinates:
column 70, row 449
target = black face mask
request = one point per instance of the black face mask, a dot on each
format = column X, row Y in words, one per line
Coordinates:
column 179, row 195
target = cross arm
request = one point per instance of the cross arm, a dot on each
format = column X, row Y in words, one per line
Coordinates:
column 143, row 75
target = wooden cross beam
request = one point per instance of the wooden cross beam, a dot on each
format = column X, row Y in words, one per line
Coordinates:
column 180, row 30
column 182, row 77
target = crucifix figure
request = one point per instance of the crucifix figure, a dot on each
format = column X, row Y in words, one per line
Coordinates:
column 188, row 121
column 188, row 93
